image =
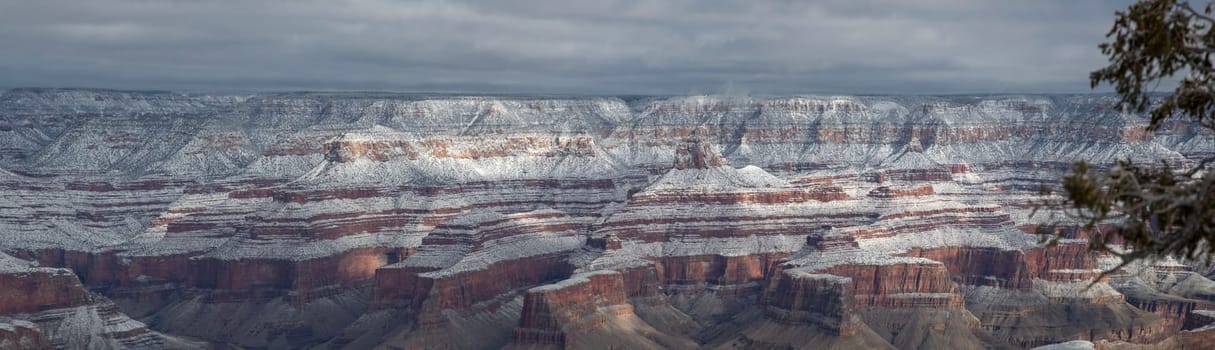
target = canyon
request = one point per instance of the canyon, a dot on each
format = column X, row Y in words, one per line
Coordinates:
column 149, row 219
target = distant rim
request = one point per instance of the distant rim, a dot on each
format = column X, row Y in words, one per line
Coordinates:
column 431, row 94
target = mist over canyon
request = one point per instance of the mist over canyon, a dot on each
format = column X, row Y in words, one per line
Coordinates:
column 135, row 219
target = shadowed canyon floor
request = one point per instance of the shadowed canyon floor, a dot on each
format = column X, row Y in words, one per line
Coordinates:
column 368, row 220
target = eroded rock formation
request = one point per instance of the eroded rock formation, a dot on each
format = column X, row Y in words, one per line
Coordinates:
column 295, row 220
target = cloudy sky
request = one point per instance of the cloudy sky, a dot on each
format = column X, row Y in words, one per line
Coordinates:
column 557, row 46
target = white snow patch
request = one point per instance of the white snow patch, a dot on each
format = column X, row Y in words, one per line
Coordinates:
column 1083, row 289
column 1071, row 345
column 573, row 280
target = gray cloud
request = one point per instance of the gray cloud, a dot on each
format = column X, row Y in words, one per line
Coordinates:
column 557, row 46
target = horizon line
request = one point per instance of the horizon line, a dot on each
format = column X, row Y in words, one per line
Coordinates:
column 257, row 91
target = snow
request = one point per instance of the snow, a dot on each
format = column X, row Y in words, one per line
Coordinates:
column 1075, row 271
column 1083, row 289
column 301, row 249
column 1003, row 238
column 11, row 325
column 1165, row 276
column 1207, row 313
column 87, row 327
column 909, row 161
column 988, row 295
column 802, row 274
column 119, row 137
column 481, row 238
column 516, row 154
column 632, row 253
column 922, row 295
column 1208, row 327
column 508, row 249
column 13, row 265
column 573, row 280
column 967, row 178
column 9, row 264
column 723, row 178
column 812, row 260
column 1071, row 345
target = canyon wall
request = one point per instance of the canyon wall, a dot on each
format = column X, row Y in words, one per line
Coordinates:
column 288, row 220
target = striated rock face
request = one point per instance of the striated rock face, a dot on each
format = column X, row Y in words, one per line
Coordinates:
column 694, row 153
column 888, row 192
column 586, row 311
column 473, row 264
column 1198, row 335
column 1168, row 289
column 459, row 264
column 1037, row 296
column 982, row 266
column 296, row 220
column 40, row 289
column 22, row 335
column 821, row 300
column 907, row 302
column 49, row 308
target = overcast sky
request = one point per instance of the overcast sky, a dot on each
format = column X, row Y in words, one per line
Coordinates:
column 557, row 46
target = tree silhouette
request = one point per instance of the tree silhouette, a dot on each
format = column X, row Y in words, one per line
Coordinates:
column 1138, row 211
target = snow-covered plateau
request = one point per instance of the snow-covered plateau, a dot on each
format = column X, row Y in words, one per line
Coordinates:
column 362, row 220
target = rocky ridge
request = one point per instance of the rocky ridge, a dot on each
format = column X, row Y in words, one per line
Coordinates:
column 685, row 222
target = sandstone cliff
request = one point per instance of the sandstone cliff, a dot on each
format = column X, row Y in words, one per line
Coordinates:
column 287, row 220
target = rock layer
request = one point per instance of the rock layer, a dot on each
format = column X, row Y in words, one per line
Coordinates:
column 364, row 219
